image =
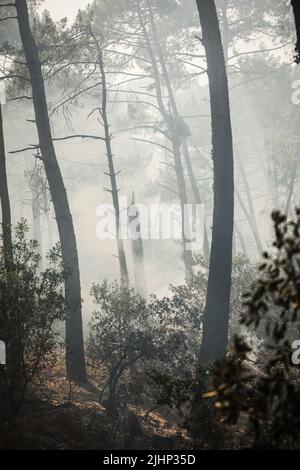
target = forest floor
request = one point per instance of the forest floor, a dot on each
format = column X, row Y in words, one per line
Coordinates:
column 58, row 416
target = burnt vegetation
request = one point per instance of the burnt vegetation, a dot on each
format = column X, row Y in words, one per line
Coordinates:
column 150, row 340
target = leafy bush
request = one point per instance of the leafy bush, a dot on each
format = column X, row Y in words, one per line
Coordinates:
column 179, row 323
column 31, row 303
column 120, row 337
column 150, row 350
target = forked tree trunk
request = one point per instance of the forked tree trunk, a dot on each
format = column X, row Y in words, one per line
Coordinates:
column 74, row 333
column 178, row 124
column 175, row 139
column 216, row 315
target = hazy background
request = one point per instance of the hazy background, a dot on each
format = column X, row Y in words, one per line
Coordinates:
column 63, row 8
column 266, row 138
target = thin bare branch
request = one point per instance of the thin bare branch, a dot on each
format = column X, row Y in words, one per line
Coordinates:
column 154, row 143
column 78, row 136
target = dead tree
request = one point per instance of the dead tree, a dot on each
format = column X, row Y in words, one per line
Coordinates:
column 110, row 160
column 137, row 249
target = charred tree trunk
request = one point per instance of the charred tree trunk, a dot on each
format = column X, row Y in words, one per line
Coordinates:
column 217, row 308
column 14, row 373
column 111, row 170
column 5, row 202
column 137, row 249
column 296, row 11
column 75, row 361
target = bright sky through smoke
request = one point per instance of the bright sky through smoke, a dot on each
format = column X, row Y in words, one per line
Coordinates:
column 67, row 8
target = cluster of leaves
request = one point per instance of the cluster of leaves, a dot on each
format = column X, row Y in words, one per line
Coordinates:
column 127, row 334
column 174, row 380
column 268, row 395
column 120, row 335
column 31, row 305
column 152, row 347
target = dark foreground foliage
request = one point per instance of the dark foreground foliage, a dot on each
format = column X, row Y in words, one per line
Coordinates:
column 31, row 305
column 268, row 395
column 150, row 349
column 145, row 384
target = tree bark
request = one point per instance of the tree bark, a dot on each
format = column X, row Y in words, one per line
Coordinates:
column 296, row 11
column 111, row 170
column 75, row 362
column 217, row 308
column 5, row 202
column 225, row 31
column 137, row 249
column 14, row 368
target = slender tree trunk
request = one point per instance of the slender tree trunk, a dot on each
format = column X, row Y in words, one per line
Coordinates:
column 178, row 124
column 49, row 229
column 74, row 332
column 14, row 367
column 251, row 216
column 111, row 172
column 217, row 308
column 37, row 232
column 296, row 11
column 269, row 182
column 5, row 202
column 176, row 144
column 234, row 253
column 250, row 213
column 225, row 31
column 291, row 188
column 137, row 249
column 196, row 195
column 242, row 241
column 187, row 253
